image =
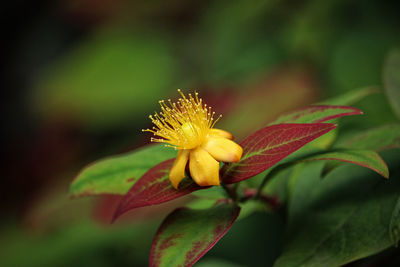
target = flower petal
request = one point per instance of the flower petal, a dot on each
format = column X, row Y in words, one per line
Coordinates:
column 223, row 149
column 204, row 169
column 220, row 133
column 177, row 172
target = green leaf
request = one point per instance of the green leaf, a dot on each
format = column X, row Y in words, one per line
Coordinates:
column 391, row 77
column 316, row 113
column 251, row 206
column 378, row 139
column 214, row 192
column 117, row 174
column 364, row 158
column 394, row 227
column 187, row 234
column 201, row 203
column 217, row 263
column 339, row 219
column 351, row 97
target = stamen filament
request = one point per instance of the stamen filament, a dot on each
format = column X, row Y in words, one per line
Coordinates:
column 184, row 124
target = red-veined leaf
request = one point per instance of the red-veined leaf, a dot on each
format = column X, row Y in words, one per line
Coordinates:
column 366, row 158
column 154, row 188
column 316, row 113
column 187, row 234
column 268, row 146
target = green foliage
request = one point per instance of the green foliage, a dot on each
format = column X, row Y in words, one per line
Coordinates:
column 378, row 139
column 117, row 174
column 339, row 219
column 365, row 158
column 348, row 215
column 84, row 241
column 392, row 80
column 97, row 71
column 394, row 227
column 316, row 114
column 187, row 234
column 350, row 97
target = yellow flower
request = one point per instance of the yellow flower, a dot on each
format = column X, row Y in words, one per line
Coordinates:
column 187, row 126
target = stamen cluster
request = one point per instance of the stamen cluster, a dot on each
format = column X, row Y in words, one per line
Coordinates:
column 187, row 126
column 184, row 124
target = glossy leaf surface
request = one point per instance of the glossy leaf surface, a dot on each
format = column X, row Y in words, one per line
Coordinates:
column 317, row 113
column 364, row 158
column 378, row 139
column 187, row 234
column 268, row 146
column 117, row 174
column 339, row 219
column 155, row 188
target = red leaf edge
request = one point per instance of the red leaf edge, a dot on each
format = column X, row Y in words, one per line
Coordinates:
column 91, row 165
column 164, row 226
column 355, row 111
column 125, row 205
column 356, row 163
column 224, row 178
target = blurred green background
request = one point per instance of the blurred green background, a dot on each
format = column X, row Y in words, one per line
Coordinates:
column 80, row 78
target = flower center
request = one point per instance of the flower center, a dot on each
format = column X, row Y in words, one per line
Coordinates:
column 184, row 124
column 193, row 137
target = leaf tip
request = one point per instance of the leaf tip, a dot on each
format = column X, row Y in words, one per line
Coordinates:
column 331, row 126
column 386, row 175
column 72, row 194
column 385, row 169
column 356, row 111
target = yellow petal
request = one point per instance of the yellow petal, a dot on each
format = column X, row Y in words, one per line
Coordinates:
column 204, row 169
column 223, row 149
column 177, row 172
column 220, row 133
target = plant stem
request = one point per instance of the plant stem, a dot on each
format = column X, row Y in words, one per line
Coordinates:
column 284, row 166
column 272, row 174
column 231, row 193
